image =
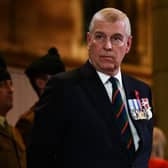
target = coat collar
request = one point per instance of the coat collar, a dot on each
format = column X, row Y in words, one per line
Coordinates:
column 6, row 131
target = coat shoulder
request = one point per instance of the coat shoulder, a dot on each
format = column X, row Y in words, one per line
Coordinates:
column 135, row 81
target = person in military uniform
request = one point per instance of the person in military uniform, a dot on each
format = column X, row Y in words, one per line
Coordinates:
column 38, row 73
column 12, row 148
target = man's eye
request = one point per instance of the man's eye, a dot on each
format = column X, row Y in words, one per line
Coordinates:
column 2, row 84
column 117, row 38
column 98, row 36
column 5, row 84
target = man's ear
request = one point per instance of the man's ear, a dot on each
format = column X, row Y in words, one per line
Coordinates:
column 88, row 37
column 129, row 43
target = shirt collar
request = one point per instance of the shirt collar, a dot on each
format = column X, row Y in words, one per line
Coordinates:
column 104, row 77
column 2, row 120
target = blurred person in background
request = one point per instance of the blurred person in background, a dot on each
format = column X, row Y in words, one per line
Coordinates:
column 12, row 148
column 38, row 73
column 157, row 159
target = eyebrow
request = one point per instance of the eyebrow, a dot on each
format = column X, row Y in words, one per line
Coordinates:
column 116, row 34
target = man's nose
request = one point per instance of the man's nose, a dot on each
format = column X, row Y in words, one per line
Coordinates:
column 10, row 88
column 108, row 45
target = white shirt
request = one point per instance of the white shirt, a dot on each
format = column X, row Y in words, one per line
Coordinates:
column 108, row 86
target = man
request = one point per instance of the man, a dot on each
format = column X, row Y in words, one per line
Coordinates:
column 12, row 149
column 38, row 73
column 77, row 121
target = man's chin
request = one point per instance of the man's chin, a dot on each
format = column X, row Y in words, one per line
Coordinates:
column 109, row 66
column 110, row 70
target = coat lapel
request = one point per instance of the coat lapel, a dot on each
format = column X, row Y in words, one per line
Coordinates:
column 95, row 90
column 129, row 91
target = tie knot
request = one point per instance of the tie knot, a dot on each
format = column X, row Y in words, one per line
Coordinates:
column 114, row 81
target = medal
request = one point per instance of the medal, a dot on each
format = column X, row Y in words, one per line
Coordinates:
column 139, row 108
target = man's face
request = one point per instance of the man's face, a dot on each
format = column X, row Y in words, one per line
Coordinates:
column 6, row 96
column 41, row 82
column 107, row 44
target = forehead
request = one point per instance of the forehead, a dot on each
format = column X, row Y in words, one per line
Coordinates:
column 110, row 28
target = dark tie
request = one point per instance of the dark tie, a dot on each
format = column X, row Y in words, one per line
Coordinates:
column 120, row 117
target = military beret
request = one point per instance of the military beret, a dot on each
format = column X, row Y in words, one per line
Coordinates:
column 4, row 74
column 48, row 64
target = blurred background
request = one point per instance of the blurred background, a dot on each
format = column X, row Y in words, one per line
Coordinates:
column 29, row 28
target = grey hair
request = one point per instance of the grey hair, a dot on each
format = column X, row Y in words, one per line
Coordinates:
column 111, row 15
